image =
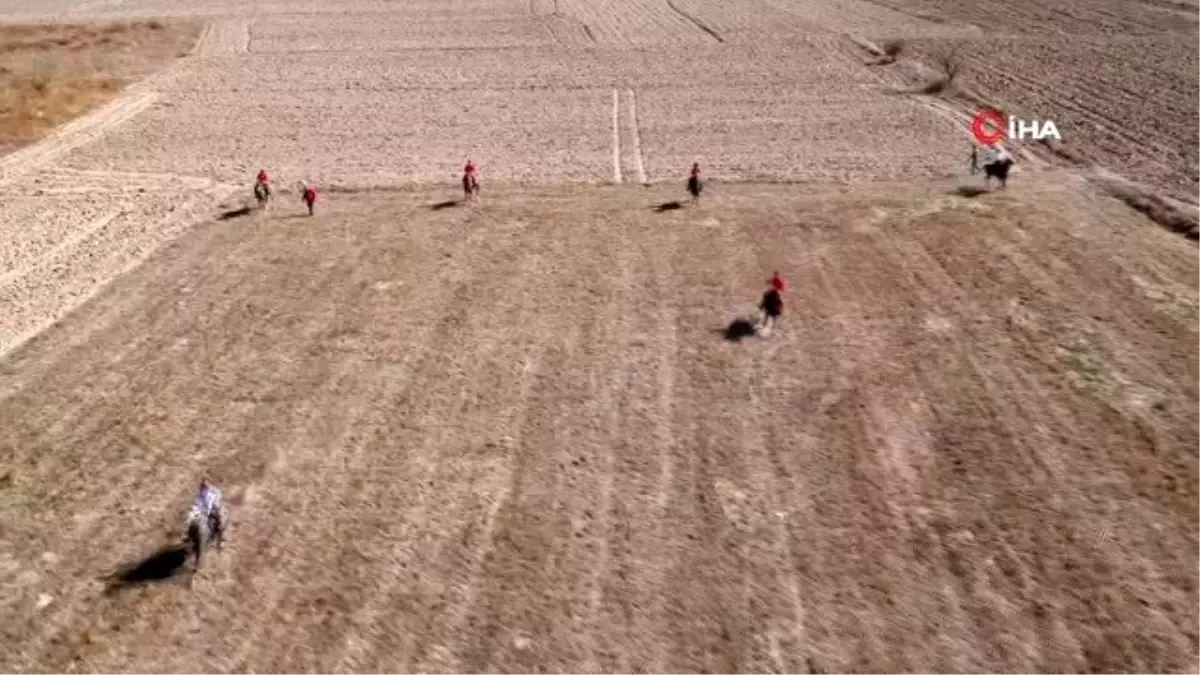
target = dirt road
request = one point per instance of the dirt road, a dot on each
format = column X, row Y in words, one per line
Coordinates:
column 511, row 438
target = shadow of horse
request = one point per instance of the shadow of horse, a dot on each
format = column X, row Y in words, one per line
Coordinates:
column 738, row 329
column 969, row 191
column 668, row 206
column 445, row 205
column 164, row 564
column 236, row 213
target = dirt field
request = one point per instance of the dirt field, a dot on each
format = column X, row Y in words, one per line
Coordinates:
column 512, row 438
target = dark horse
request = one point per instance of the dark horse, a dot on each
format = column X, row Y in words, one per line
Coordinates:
column 997, row 170
column 262, row 193
column 203, row 531
column 470, row 186
column 694, row 187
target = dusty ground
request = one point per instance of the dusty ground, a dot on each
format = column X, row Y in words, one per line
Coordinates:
column 510, row 438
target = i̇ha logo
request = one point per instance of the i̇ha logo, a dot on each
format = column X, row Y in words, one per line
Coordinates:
column 990, row 126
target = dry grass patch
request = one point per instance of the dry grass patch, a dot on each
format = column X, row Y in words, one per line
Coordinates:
column 33, row 105
column 51, row 74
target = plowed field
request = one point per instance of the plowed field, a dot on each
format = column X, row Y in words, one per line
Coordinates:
column 512, row 436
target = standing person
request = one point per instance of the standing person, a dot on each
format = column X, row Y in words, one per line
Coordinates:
column 469, row 181
column 693, row 184
column 308, row 195
column 772, row 303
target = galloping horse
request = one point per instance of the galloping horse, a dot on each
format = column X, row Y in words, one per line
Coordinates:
column 202, row 531
column 262, row 193
column 470, row 185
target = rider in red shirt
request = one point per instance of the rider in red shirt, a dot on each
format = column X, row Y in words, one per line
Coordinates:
column 469, row 181
column 693, row 184
column 772, row 302
column 262, row 188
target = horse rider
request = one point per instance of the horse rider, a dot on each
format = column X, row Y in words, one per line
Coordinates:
column 772, row 302
column 262, row 182
column 996, row 163
column 208, row 506
column 693, row 184
column 469, row 181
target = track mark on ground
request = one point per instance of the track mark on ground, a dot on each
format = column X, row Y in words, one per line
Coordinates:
column 695, row 21
column 78, row 133
column 616, row 135
column 635, row 132
column 224, row 37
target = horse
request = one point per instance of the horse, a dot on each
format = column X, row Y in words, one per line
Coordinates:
column 694, row 187
column 203, row 531
column 470, row 186
column 262, row 193
column 997, row 170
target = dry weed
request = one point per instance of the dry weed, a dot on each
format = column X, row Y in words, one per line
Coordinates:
column 947, row 64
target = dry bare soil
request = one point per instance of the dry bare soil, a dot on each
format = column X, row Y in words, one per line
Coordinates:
column 510, row 437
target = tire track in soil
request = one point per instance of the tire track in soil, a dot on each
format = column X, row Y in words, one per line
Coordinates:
column 459, row 485
column 224, row 37
column 553, row 530
column 635, row 138
column 616, row 135
column 695, row 21
column 76, row 134
column 708, row 624
column 622, row 503
column 321, row 608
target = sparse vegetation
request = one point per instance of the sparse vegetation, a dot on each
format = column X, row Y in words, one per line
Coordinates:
column 947, row 65
column 887, row 53
column 50, row 74
column 1156, row 208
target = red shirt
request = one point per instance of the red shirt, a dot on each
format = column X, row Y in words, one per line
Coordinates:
column 778, row 283
column 262, row 176
column 310, row 194
column 469, row 169
column 695, row 170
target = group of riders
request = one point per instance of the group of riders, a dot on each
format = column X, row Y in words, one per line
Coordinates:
column 996, row 162
column 470, row 186
column 207, row 518
column 262, row 191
